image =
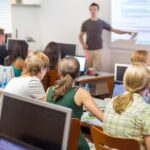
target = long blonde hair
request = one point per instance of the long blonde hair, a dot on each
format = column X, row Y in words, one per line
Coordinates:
column 140, row 56
column 136, row 79
column 34, row 62
column 68, row 69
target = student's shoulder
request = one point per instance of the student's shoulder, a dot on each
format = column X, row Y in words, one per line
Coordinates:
column 2, row 49
column 34, row 79
column 13, row 80
column 81, row 92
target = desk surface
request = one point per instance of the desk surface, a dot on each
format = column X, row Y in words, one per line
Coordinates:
column 102, row 75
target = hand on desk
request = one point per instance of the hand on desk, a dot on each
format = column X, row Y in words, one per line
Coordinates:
column 90, row 119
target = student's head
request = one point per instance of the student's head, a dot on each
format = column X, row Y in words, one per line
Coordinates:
column 140, row 56
column 2, row 36
column 94, row 8
column 19, row 50
column 69, row 69
column 136, row 80
column 36, row 64
column 52, row 50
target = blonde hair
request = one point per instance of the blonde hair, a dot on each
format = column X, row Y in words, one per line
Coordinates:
column 34, row 62
column 69, row 69
column 140, row 56
column 136, row 79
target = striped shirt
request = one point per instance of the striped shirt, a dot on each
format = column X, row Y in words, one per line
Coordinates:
column 133, row 123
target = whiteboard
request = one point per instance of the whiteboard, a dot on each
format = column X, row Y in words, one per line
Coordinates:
column 134, row 16
column 5, row 15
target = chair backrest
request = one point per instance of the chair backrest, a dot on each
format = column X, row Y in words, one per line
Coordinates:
column 9, row 72
column 103, row 141
column 110, row 85
column 74, row 134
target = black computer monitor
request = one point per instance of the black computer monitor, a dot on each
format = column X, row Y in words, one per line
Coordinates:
column 119, row 72
column 11, row 42
column 82, row 62
column 40, row 124
column 67, row 49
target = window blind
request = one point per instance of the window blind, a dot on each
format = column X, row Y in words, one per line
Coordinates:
column 5, row 15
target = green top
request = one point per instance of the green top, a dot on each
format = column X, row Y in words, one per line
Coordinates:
column 17, row 72
column 68, row 101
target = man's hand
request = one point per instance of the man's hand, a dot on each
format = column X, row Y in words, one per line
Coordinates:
column 84, row 46
column 133, row 33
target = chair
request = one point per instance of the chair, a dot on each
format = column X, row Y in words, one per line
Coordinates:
column 110, row 85
column 74, row 134
column 106, row 142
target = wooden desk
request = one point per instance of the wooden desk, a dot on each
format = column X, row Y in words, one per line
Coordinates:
column 85, row 125
column 102, row 77
column 91, row 78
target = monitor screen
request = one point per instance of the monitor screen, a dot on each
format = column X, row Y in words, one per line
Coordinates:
column 11, row 43
column 82, row 62
column 7, row 145
column 42, row 127
column 67, row 50
column 118, row 89
column 11, row 144
column 119, row 72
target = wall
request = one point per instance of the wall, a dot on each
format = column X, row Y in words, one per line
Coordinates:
column 60, row 21
column 27, row 20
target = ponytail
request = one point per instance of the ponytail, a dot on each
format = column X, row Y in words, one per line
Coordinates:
column 121, row 103
column 62, row 86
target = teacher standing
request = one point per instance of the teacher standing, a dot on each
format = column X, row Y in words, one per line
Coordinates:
column 93, row 28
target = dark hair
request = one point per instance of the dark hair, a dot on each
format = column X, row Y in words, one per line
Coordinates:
column 96, row 5
column 1, row 31
column 19, row 50
column 69, row 69
column 52, row 50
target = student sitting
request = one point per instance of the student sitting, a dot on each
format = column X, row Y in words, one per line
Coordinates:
column 3, row 52
column 128, row 115
column 17, row 57
column 140, row 56
column 52, row 50
column 66, row 94
column 29, row 84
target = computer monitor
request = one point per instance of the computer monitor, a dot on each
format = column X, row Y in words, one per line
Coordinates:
column 11, row 42
column 82, row 62
column 67, row 49
column 119, row 72
column 118, row 89
column 7, row 143
column 37, row 123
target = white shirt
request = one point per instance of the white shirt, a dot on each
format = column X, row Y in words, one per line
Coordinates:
column 30, row 87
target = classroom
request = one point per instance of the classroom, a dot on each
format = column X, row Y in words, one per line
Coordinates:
column 74, row 75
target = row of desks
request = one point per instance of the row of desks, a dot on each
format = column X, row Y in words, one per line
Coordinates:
column 101, row 76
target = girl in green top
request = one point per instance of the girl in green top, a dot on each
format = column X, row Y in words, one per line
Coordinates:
column 66, row 94
column 17, row 57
